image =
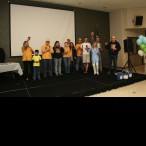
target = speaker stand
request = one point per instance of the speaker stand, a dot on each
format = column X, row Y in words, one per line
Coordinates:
column 130, row 65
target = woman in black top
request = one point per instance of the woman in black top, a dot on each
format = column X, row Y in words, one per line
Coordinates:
column 58, row 54
column 74, row 56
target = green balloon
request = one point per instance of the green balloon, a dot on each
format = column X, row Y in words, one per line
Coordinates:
column 144, row 50
column 142, row 46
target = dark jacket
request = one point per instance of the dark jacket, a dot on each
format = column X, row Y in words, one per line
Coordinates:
column 58, row 52
column 2, row 56
column 74, row 53
column 117, row 46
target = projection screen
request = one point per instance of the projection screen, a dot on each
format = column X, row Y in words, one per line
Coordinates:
column 39, row 24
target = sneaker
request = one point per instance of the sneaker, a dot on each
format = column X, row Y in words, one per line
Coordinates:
column 61, row 74
column 98, row 73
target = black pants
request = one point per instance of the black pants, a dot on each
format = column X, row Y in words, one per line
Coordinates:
column 28, row 68
column 73, row 66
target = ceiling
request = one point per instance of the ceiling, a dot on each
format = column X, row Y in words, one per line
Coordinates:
column 101, row 5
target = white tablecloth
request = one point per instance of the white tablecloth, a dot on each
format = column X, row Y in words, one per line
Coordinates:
column 7, row 67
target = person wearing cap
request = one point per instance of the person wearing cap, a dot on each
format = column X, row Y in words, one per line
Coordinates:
column 79, row 61
column 113, row 48
column 69, row 42
column 100, row 48
column 47, row 52
column 86, row 54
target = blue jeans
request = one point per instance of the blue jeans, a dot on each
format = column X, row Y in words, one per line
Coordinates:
column 113, row 58
column 57, row 64
column 47, row 66
column 79, row 63
column 67, row 62
column 36, row 72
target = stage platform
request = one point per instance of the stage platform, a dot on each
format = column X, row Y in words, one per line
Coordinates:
column 72, row 85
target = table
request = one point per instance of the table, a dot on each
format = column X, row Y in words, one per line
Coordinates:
column 11, row 67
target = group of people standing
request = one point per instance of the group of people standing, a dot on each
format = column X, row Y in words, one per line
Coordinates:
column 68, row 58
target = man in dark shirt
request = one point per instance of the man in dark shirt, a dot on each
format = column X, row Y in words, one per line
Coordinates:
column 113, row 50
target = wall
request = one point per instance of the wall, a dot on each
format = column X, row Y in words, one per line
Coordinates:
column 86, row 21
column 121, row 26
column 116, row 29
column 131, row 13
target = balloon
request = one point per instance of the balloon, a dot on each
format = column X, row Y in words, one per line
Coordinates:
column 141, row 37
column 144, row 50
column 144, row 40
column 142, row 46
column 139, row 42
column 141, row 53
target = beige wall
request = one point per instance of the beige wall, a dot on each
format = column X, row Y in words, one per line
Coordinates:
column 132, row 13
column 116, row 29
column 121, row 26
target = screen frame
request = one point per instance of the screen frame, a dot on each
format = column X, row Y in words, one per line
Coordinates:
column 49, row 7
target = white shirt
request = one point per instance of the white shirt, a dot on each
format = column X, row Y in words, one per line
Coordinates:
column 99, row 45
column 84, row 48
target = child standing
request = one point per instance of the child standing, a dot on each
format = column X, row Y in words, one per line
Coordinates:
column 95, row 52
column 36, row 65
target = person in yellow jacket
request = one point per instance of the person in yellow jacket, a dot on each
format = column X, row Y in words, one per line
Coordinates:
column 27, row 52
column 79, row 62
column 67, row 57
column 47, row 52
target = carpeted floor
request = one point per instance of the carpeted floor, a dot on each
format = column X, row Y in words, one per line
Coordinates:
column 73, row 85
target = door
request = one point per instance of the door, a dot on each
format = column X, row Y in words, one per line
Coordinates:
column 135, row 58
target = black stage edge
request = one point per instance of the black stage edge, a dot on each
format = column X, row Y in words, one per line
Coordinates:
column 72, row 85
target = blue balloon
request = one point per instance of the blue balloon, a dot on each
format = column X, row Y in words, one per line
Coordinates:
column 141, row 37
column 139, row 42
column 144, row 40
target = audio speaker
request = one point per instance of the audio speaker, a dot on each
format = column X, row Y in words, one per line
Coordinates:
column 128, row 45
column 139, row 20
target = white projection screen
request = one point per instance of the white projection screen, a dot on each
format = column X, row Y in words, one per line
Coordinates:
column 39, row 24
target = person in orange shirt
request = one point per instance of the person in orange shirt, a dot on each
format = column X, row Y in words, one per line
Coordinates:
column 69, row 42
column 67, row 57
column 79, row 61
column 27, row 52
column 47, row 52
